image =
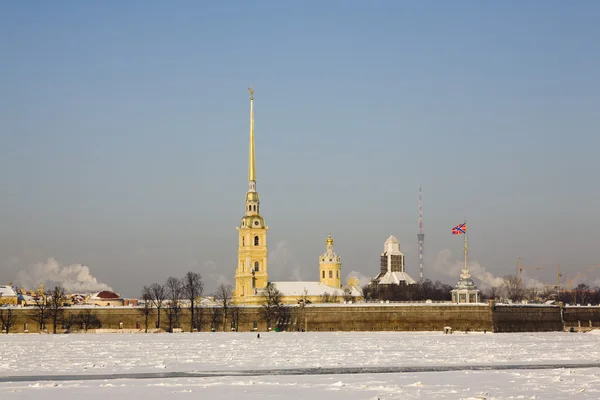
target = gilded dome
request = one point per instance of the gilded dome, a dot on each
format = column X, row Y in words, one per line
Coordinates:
column 329, row 240
column 252, row 221
column 252, row 196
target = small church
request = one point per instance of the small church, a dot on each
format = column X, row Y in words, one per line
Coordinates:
column 251, row 275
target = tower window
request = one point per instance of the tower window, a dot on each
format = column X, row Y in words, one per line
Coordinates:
column 243, row 240
column 256, row 265
column 331, row 274
column 254, row 207
column 256, row 240
column 249, row 208
column 323, row 274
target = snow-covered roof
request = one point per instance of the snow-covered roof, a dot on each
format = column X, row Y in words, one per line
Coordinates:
column 312, row 289
column 391, row 246
column 7, row 291
column 391, row 239
column 394, row 278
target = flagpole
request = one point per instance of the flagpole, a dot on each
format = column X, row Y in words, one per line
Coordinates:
column 466, row 247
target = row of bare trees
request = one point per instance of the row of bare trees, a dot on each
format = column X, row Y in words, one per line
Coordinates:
column 514, row 289
column 169, row 297
column 425, row 290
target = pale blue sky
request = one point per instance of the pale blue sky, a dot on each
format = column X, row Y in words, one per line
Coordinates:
column 124, row 133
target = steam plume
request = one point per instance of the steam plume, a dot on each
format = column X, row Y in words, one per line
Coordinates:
column 282, row 264
column 450, row 267
column 75, row 278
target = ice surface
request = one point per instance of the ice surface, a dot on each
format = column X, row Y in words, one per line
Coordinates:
column 85, row 354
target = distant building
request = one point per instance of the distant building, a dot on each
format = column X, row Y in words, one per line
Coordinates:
column 330, row 266
column 251, row 274
column 392, row 271
column 105, row 298
column 8, row 296
column 465, row 290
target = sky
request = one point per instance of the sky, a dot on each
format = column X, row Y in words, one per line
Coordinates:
column 124, row 136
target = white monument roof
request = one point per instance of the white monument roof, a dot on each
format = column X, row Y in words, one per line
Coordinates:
column 395, row 278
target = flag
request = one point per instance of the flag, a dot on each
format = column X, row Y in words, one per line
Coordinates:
column 460, row 229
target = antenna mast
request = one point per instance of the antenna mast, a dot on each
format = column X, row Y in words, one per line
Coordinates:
column 420, row 236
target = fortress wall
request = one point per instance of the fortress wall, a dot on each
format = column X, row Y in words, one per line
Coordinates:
column 581, row 317
column 357, row 317
column 398, row 318
column 526, row 318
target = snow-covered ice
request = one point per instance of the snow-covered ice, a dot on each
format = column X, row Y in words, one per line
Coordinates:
column 89, row 354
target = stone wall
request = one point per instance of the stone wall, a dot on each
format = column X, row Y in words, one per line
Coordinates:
column 526, row 318
column 351, row 317
column 581, row 318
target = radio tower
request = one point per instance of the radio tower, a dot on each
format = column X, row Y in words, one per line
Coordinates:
column 420, row 236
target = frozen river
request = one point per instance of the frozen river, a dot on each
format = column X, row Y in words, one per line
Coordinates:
column 349, row 365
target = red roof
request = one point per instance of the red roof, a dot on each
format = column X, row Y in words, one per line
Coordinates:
column 106, row 294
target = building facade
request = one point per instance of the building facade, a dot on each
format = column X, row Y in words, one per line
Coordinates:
column 330, row 266
column 251, row 274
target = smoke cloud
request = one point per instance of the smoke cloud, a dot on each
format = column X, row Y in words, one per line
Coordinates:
column 282, row 264
column 75, row 278
column 362, row 279
column 446, row 265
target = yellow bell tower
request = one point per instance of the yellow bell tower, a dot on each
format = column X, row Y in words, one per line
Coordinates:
column 330, row 266
column 251, row 274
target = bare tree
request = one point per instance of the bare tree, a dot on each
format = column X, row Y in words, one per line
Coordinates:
column 492, row 292
column 583, row 293
column 513, row 288
column 215, row 314
column 8, row 319
column 532, row 293
column 157, row 294
column 348, row 294
column 329, row 298
column 236, row 317
column 56, row 302
column 193, row 287
column 146, row 308
column 67, row 321
column 41, row 312
column 174, row 289
column 199, row 320
column 88, row 320
column 284, row 316
column 223, row 297
column 270, row 302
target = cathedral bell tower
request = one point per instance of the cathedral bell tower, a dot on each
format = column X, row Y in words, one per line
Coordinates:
column 251, row 274
column 330, row 266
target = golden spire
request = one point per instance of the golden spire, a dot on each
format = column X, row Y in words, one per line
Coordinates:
column 251, row 166
column 330, row 240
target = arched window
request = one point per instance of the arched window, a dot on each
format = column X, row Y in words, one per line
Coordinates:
column 323, row 274
column 256, row 240
column 243, row 240
column 254, row 207
column 249, row 208
column 256, row 265
column 330, row 274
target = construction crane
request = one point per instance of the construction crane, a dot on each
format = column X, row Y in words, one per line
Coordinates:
column 520, row 269
column 582, row 274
